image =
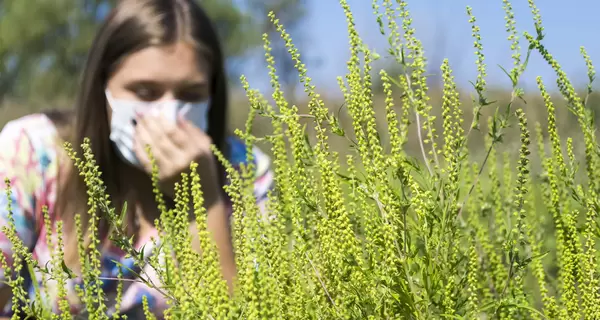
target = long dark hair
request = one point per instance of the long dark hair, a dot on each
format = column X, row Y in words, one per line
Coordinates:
column 131, row 26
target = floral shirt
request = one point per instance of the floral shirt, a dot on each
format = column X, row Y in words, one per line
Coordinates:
column 28, row 158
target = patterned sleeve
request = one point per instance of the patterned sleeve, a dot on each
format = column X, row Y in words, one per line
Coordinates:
column 264, row 179
column 19, row 165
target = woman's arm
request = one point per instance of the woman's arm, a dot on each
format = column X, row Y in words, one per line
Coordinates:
column 5, row 296
column 218, row 224
column 217, row 219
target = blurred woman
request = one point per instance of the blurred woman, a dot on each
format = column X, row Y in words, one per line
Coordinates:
column 154, row 76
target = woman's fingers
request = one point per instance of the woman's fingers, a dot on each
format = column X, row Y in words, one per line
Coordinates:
column 174, row 146
column 140, row 151
column 163, row 135
column 174, row 133
column 201, row 140
column 145, row 134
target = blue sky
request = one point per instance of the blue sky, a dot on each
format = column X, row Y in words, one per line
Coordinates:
column 567, row 28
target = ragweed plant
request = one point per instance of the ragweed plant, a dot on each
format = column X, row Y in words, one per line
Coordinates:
column 381, row 235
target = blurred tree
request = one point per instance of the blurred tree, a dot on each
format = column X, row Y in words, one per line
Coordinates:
column 44, row 43
column 291, row 14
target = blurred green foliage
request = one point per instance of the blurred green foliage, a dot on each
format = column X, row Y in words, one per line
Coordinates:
column 44, row 43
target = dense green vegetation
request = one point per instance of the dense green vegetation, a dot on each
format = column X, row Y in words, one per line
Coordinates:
column 381, row 233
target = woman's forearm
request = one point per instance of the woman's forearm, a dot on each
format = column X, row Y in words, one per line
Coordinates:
column 218, row 225
column 5, row 296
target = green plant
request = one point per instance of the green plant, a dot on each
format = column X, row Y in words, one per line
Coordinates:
column 385, row 236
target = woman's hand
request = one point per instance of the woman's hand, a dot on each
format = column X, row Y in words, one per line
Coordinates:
column 174, row 146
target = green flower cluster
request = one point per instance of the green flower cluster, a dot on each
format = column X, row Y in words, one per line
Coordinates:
column 380, row 235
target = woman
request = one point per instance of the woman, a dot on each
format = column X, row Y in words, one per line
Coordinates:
column 154, row 76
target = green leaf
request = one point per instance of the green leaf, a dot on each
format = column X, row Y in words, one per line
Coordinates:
column 66, row 270
column 123, row 213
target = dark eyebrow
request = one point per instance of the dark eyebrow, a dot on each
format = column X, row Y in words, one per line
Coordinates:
column 194, row 85
column 153, row 83
column 134, row 82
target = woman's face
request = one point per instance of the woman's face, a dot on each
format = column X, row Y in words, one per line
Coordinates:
column 159, row 73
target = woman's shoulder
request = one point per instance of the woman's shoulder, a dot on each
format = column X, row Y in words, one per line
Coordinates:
column 36, row 129
column 29, row 144
column 27, row 160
